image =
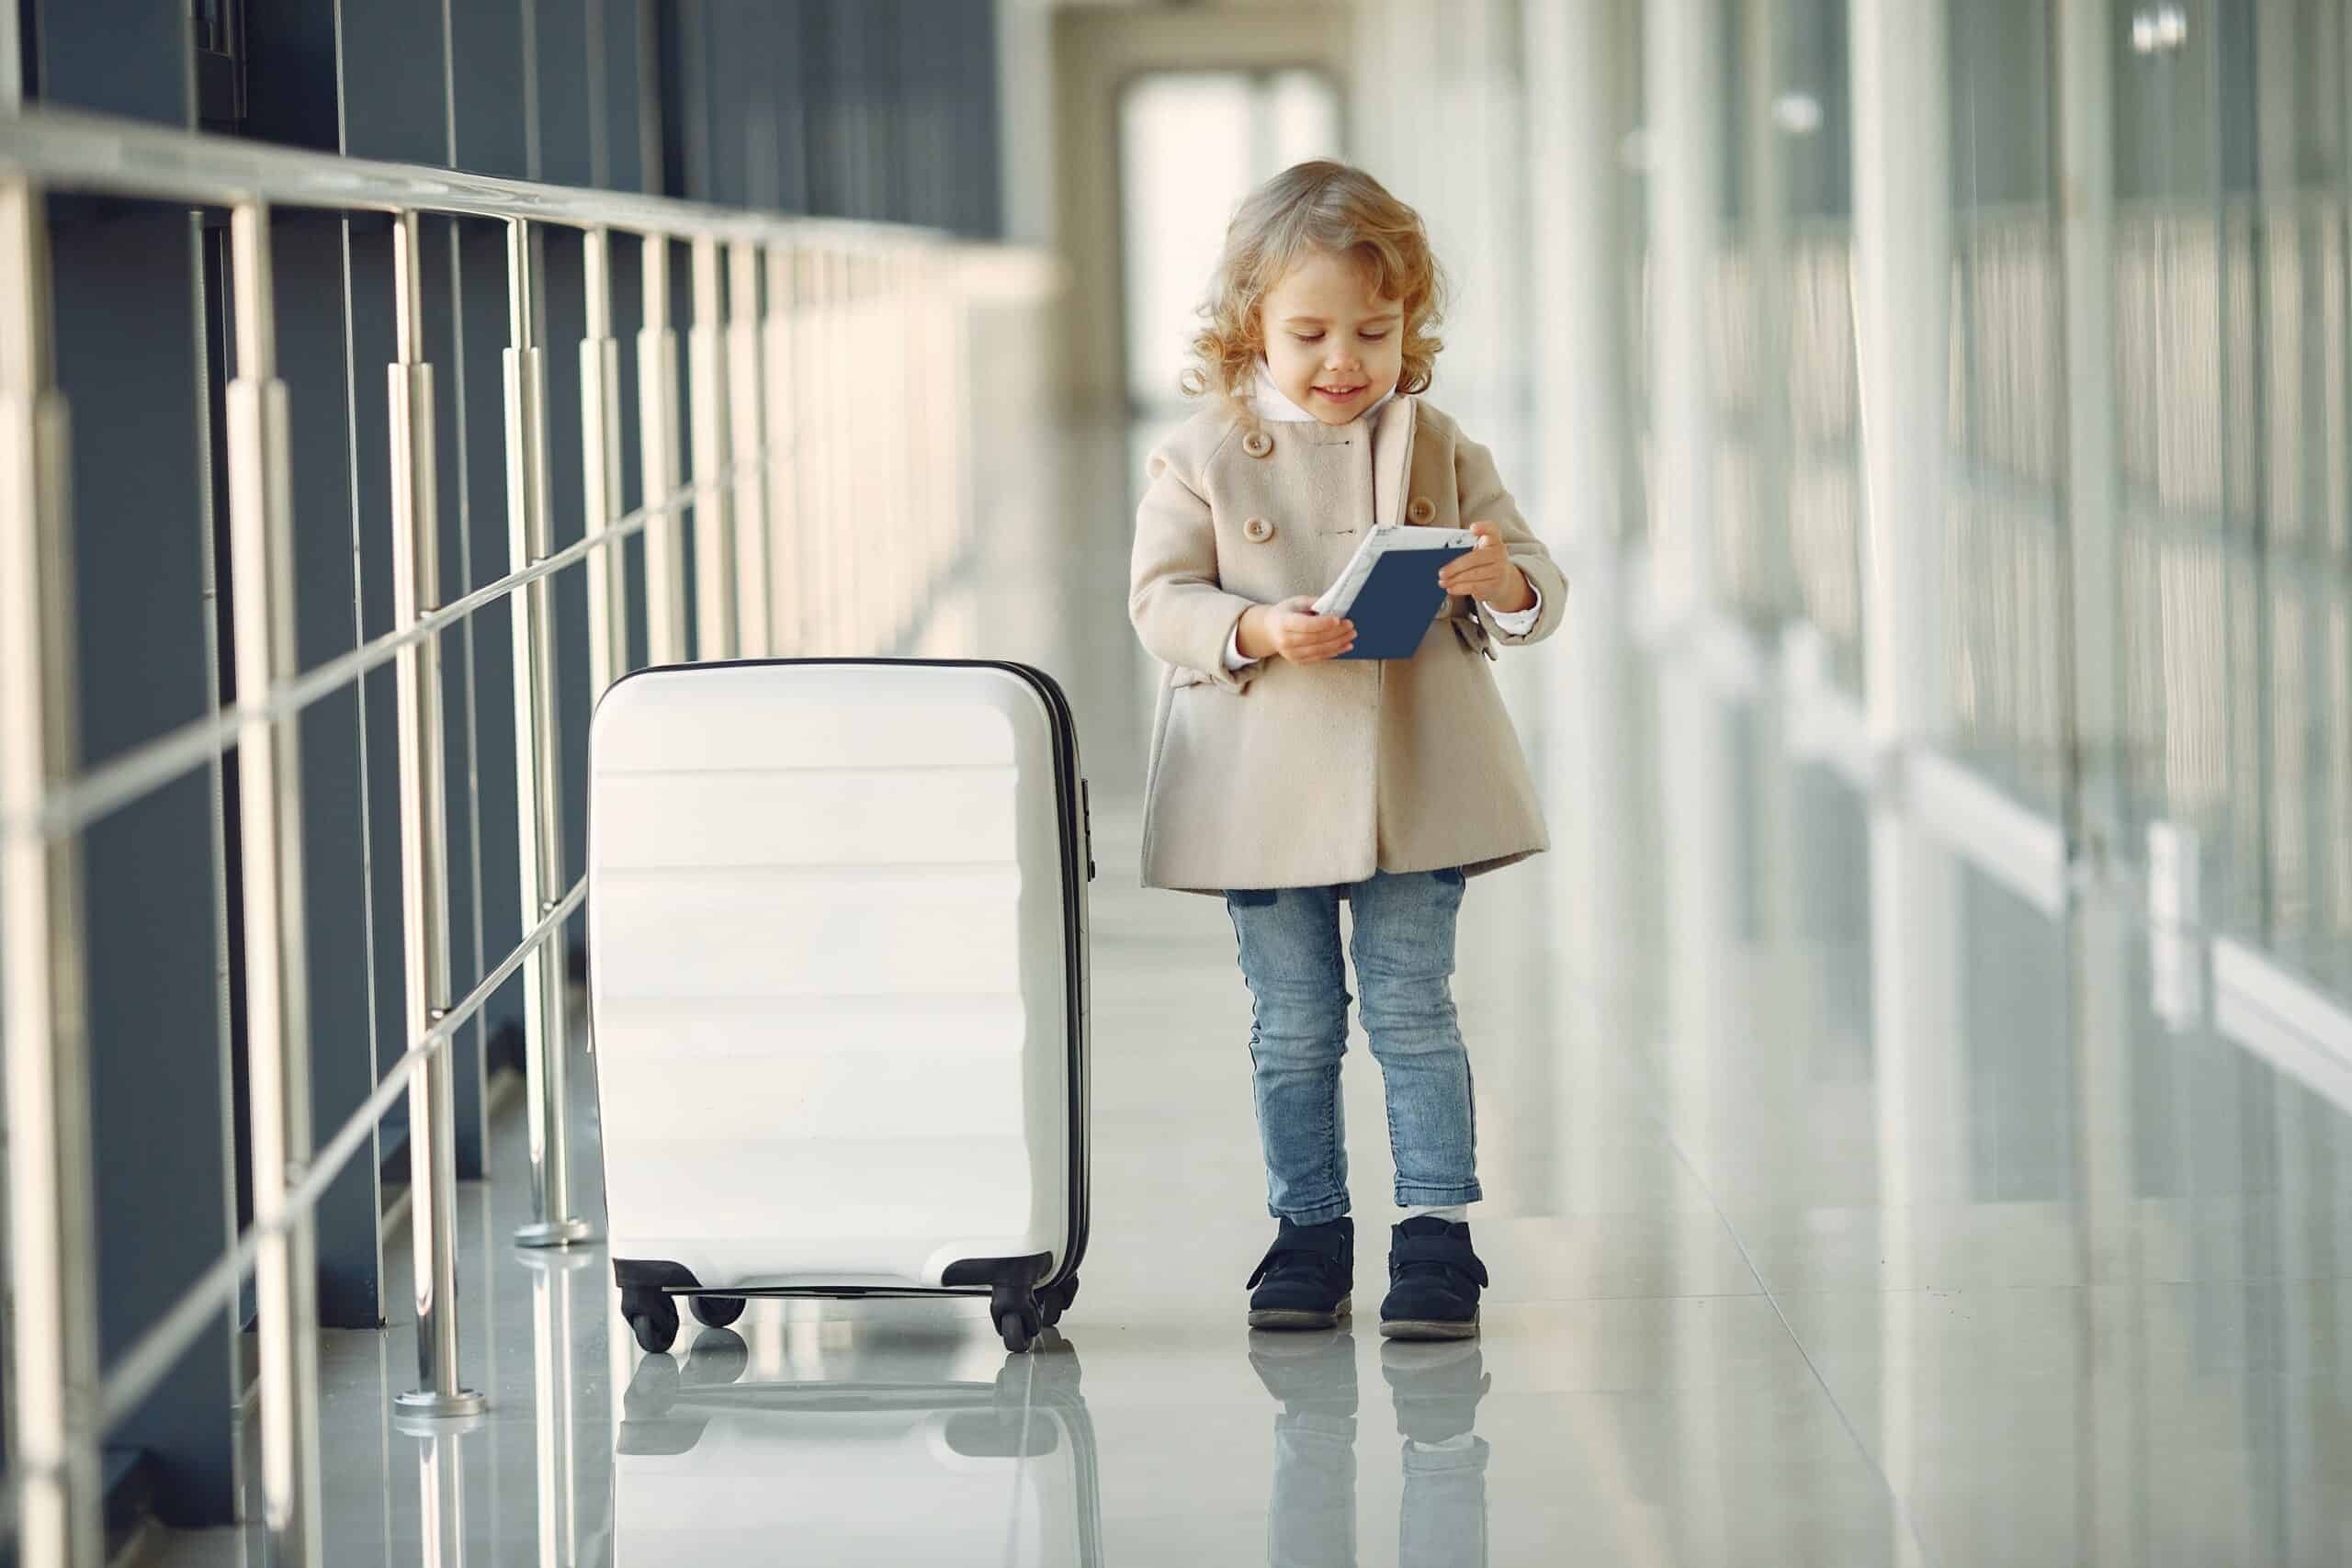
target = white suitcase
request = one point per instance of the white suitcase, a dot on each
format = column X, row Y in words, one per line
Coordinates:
column 710, row 1469
column 837, row 980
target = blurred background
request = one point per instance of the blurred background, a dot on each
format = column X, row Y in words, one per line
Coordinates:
column 1953, row 397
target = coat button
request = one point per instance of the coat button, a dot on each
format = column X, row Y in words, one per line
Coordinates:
column 1258, row 530
column 1422, row 511
column 1256, row 443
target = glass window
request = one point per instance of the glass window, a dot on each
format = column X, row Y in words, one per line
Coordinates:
column 2005, row 538
column 2232, row 394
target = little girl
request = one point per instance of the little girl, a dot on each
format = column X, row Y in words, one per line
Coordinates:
column 1288, row 780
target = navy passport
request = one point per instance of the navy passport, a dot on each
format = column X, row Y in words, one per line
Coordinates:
column 1397, row 602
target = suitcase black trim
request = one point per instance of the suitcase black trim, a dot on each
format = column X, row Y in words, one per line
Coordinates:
column 1077, row 867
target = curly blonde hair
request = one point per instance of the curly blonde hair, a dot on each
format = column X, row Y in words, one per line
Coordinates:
column 1315, row 206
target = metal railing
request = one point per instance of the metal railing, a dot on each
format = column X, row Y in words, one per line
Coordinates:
column 787, row 313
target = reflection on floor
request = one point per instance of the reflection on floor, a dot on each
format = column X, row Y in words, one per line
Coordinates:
column 745, row 1445
column 1843, row 1209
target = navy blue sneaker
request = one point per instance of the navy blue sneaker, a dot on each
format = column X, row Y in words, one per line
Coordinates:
column 1305, row 1276
column 1433, row 1282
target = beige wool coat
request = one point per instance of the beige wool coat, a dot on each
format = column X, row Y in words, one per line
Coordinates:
column 1291, row 776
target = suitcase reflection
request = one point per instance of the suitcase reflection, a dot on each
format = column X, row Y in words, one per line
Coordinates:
column 714, row 1462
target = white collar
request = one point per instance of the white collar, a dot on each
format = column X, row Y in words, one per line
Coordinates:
column 1272, row 405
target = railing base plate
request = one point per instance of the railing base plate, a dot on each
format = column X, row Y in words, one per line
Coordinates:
column 424, row 1407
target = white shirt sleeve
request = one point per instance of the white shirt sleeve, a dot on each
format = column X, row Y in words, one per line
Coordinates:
column 1520, row 622
column 1233, row 660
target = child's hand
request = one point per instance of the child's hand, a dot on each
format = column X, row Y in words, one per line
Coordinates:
column 1293, row 629
column 1487, row 573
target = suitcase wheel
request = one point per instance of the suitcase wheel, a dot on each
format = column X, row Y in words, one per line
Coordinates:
column 652, row 1318
column 717, row 1312
column 1056, row 1301
column 1013, row 1308
column 1020, row 1327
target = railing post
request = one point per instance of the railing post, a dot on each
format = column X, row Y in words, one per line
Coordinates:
column 538, row 778
column 886, row 491
column 908, row 558
column 714, row 547
column 1681, row 62
column 748, row 437
column 917, row 366
column 930, row 412
column 829, row 606
column 1902, row 289
column 53, row 1365
column 277, row 1026
column 853, row 571
column 424, row 850
column 600, row 457
column 780, row 472
column 817, row 610
column 862, row 346
column 658, row 457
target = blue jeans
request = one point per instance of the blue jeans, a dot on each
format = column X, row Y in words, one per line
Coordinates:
column 1403, row 946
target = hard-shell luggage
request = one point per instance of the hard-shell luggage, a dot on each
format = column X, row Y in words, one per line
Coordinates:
column 837, row 981
column 948, row 1464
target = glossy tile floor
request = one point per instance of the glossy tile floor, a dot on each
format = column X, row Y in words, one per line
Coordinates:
column 1843, row 1210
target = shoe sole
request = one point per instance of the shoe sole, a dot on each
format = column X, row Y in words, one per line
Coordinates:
column 1427, row 1328
column 1267, row 1318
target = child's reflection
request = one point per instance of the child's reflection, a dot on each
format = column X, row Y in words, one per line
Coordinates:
column 1436, row 1387
column 1311, row 1522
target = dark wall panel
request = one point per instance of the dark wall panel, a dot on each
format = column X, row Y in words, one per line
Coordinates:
column 674, row 32
column 486, row 67
column 790, row 102
column 880, row 110
column 566, row 119
column 728, row 48
column 126, row 57
column 751, row 51
column 290, row 85
column 929, row 113
column 127, row 357
column 618, row 68
column 881, row 106
column 976, row 174
column 395, row 101
column 834, row 83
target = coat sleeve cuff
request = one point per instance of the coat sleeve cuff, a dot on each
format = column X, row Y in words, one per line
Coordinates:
column 1233, row 671
column 1543, row 618
column 1235, row 660
column 1519, row 622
